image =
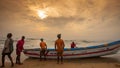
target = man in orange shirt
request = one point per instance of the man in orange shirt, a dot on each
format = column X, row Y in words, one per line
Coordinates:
column 59, row 47
column 43, row 49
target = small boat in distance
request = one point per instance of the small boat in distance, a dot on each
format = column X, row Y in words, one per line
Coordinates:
column 90, row 51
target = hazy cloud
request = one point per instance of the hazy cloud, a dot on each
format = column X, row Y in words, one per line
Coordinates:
column 79, row 18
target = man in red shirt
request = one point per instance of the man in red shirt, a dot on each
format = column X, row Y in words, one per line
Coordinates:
column 73, row 45
column 19, row 48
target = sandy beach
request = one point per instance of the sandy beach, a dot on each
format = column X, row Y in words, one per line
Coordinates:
column 96, row 62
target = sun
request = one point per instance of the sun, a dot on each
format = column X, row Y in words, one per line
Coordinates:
column 42, row 14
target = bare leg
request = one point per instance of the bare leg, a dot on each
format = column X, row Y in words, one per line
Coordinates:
column 17, row 61
column 40, row 55
column 58, row 60
column 9, row 56
column 3, row 60
column 44, row 56
column 61, row 59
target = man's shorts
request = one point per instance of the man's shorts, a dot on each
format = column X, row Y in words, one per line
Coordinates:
column 18, row 52
column 60, row 53
column 42, row 52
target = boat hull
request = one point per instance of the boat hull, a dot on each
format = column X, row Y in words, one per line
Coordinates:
column 92, row 51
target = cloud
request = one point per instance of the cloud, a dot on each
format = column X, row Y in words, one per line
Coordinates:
column 56, row 21
column 79, row 18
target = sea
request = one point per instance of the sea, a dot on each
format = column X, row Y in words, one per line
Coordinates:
column 34, row 43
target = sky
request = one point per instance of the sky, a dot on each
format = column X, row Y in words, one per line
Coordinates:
column 74, row 19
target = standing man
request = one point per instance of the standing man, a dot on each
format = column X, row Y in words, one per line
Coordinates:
column 59, row 47
column 43, row 49
column 19, row 48
column 8, row 49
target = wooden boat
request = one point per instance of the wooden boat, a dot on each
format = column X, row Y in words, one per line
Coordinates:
column 91, row 51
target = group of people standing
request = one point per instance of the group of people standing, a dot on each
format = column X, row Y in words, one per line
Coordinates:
column 8, row 49
column 59, row 47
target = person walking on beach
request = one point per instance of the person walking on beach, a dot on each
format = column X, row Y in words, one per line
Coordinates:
column 59, row 47
column 73, row 45
column 19, row 48
column 43, row 49
column 8, row 49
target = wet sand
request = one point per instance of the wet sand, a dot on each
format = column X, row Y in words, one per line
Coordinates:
column 111, row 61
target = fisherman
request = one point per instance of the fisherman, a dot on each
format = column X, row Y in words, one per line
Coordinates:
column 59, row 47
column 8, row 49
column 43, row 49
column 73, row 45
column 19, row 48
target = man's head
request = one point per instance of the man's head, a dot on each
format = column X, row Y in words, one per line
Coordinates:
column 23, row 37
column 59, row 35
column 41, row 39
column 9, row 35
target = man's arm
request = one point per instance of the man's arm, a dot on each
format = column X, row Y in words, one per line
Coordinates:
column 55, row 45
column 46, row 45
column 63, row 44
column 6, row 45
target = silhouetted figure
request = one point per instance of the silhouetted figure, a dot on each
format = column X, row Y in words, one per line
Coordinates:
column 19, row 48
column 59, row 47
column 43, row 49
column 8, row 49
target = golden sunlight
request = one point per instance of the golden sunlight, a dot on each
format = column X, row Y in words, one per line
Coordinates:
column 42, row 14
